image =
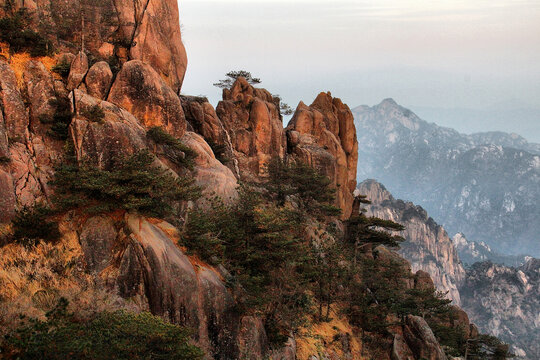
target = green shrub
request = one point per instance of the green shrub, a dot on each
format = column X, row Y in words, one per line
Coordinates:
column 175, row 150
column 132, row 184
column 62, row 69
column 15, row 31
column 109, row 335
column 60, row 119
column 31, row 225
column 94, row 113
column 4, row 160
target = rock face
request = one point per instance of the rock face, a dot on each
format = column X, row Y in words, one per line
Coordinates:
column 15, row 115
column 505, row 302
column 129, row 29
column 252, row 119
column 146, row 264
column 324, row 136
column 421, row 340
column 140, row 90
column 427, row 244
column 472, row 184
column 99, row 79
column 202, row 118
column 99, row 142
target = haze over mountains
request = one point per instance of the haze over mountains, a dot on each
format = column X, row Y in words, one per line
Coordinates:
column 484, row 185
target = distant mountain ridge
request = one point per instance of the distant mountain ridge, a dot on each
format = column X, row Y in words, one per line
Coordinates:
column 485, row 185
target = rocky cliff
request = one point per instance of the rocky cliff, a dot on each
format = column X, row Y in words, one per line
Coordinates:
column 427, row 245
column 504, row 301
column 111, row 91
column 484, row 185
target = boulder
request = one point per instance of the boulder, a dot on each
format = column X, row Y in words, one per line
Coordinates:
column 99, row 142
column 79, row 68
column 421, row 340
column 14, row 111
column 324, row 136
column 99, row 79
column 252, row 119
column 212, row 176
column 140, row 90
column 4, row 143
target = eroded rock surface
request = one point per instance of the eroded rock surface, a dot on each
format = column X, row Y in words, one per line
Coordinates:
column 140, row 90
column 252, row 119
column 324, row 136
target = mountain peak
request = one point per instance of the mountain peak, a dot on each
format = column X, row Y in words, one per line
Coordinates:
column 388, row 102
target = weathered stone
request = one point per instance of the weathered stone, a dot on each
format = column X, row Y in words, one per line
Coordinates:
column 202, row 117
column 79, row 68
column 39, row 86
column 288, row 352
column 252, row 119
column 97, row 239
column 324, row 136
column 400, row 349
column 213, row 177
column 14, row 112
column 100, row 142
column 99, row 79
column 158, row 41
column 139, row 89
column 421, row 340
column 7, row 197
column 4, row 143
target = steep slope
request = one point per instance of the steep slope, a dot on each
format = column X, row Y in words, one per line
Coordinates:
column 427, row 245
column 486, row 191
column 505, row 302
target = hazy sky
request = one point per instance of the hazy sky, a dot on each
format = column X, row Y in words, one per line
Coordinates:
column 440, row 54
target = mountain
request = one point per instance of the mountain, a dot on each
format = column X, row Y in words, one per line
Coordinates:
column 502, row 300
column 427, row 246
column 486, row 190
column 505, row 301
column 471, row 252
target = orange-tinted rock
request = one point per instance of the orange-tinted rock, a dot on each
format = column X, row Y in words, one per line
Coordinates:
column 119, row 133
column 202, row 117
column 99, row 80
column 324, row 136
column 97, row 241
column 146, row 30
column 158, row 41
column 14, row 111
column 140, row 90
column 4, row 143
column 212, row 176
column 79, row 68
column 7, row 197
column 252, row 119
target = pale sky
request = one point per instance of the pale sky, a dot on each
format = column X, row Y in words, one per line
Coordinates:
column 470, row 54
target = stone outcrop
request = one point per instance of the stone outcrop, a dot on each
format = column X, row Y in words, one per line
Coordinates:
column 14, row 112
column 79, row 68
column 140, row 90
column 128, row 29
column 252, row 119
column 211, row 175
column 138, row 257
column 427, row 244
column 324, row 136
column 99, row 142
column 421, row 340
column 202, row 118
